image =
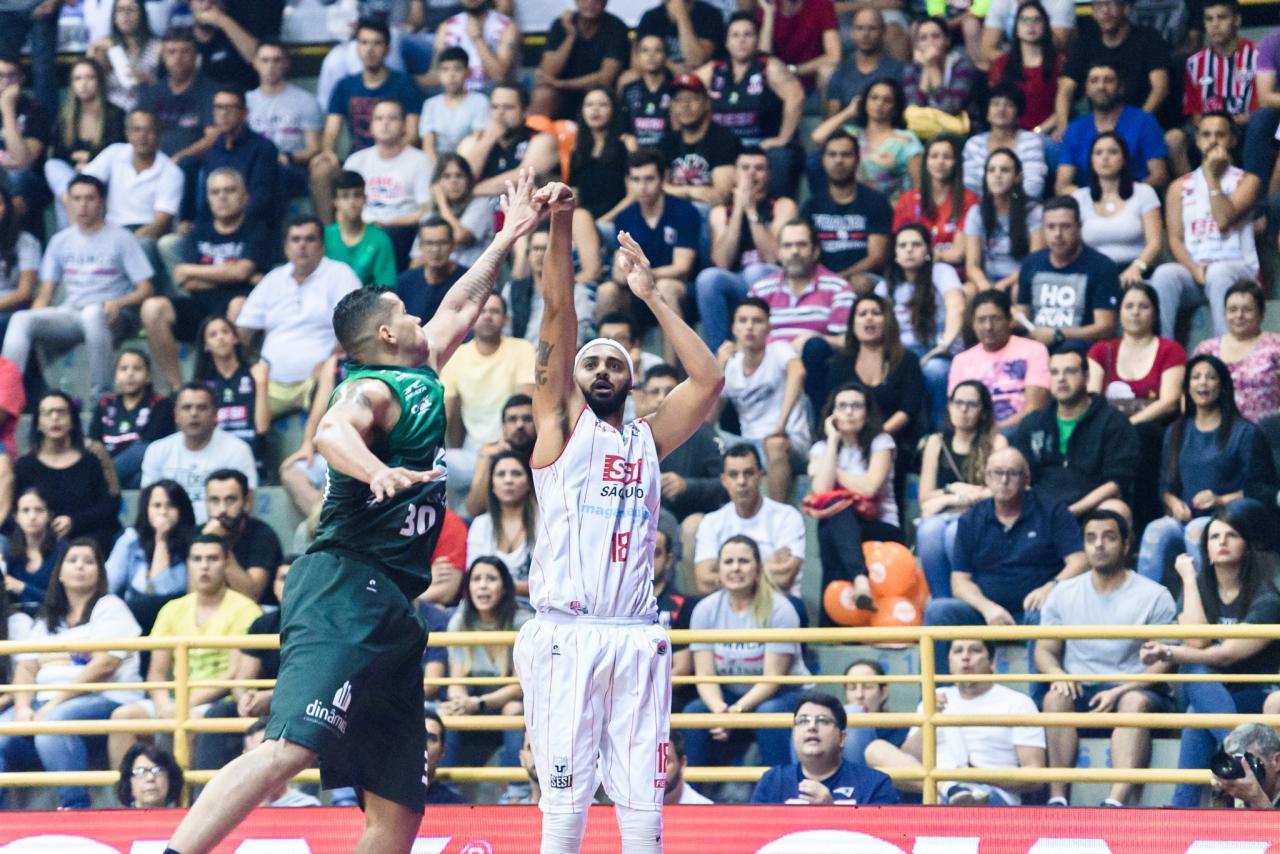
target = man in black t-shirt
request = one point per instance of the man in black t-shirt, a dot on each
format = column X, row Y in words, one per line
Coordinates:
column 182, row 100
column 226, row 48
column 18, row 111
column 692, row 31
column 851, row 222
column 507, row 144
column 253, row 547
column 700, row 153
column 585, row 49
column 645, row 99
column 214, row 267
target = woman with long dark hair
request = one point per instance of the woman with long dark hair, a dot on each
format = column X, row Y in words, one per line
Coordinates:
column 1003, row 228
column 20, row 255
column 132, row 416
column 1233, row 585
column 87, row 123
column 598, row 164
column 1033, row 64
column 507, row 530
column 1120, row 217
column 1213, row 458
column 938, row 76
column 941, row 201
column 150, row 559
column 131, row 54
column 238, row 386
column 890, row 155
column 454, row 200
column 32, row 552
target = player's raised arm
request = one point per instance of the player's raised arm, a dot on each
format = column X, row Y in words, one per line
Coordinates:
column 363, row 411
column 556, row 397
column 461, row 305
column 689, row 403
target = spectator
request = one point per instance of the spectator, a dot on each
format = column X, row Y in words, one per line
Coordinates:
column 147, row 566
column 489, row 41
column 479, row 378
column 507, row 144
column 889, row 155
column 805, row 35
column 37, row 21
column 423, row 286
column 351, row 106
column 13, row 403
column 1208, row 222
column 1213, row 458
column 459, row 110
column 239, row 389
column 677, row 791
column 1104, row 90
column 1068, row 291
column 1252, row 791
column 665, row 592
column 1151, row 397
column 598, row 175
column 507, row 530
column 747, row 599
column 868, row 63
column 488, row 605
column 518, row 435
column 214, row 267
column 928, row 308
column 181, row 100
column 286, row 795
column 646, row 97
column 1003, row 229
column 82, row 496
column 1033, row 64
column 822, row 775
column 1217, row 78
column 699, row 153
column 866, row 698
column 32, row 552
column 1014, row 369
column 953, row 478
column 454, row 200
column 86, row 124
column 973, row 747
column 292, row 309
column 19, row 265
column 197, row 449
column 744, row 244
column 397, row 178
column 691, row 31
column 1004, row 105
column 77, row 608
column 1253, row 356
column 666, row 227
column 776, row 529
column 365, row 248
column 211, row 609
column 940, row 203
column 144, row 187
column 287, row 115
column 1233, row 585
column 849, row 223
column 149, row 777
column 130, row 55
column 105, row 275
column 938, row 77
column 1135, row 52
column 1001, row 21
column 585, row 49
column 253, row 549
column 1011, row 550
column 1120, row 217
column 1108, row 594
column 437, row 792
column 448, row 565
column 25, row 133
column 856, row 456
column 226, row 48
column 755, row 96
column 131, row 417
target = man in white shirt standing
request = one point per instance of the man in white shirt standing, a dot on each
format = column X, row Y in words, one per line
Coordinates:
column 777, row 528
column 397, row 179
column 287, row 115
column 765, row 384
column 106, row 276
column 292, row 310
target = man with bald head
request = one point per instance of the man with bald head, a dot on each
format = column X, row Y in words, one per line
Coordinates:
column 1011, row 549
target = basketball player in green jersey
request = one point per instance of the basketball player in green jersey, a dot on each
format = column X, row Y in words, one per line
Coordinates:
column 350, row 685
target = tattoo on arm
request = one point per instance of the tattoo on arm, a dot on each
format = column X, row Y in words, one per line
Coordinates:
column 478, row 282
column 544, row 359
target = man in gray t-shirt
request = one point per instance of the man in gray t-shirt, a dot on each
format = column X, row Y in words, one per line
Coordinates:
column 105, row 277
column 1108, row 595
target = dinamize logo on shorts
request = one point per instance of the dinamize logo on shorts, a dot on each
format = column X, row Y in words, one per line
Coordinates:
column 334, row 717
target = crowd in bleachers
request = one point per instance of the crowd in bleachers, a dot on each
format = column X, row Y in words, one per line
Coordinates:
column 952, row 258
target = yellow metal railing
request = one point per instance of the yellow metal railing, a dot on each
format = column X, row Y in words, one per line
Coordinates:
column 928, row 719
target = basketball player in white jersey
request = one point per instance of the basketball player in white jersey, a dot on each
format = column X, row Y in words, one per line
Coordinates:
column 595, row 665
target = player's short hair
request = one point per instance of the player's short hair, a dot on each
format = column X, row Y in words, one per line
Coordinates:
column 355, row 314
column 454, row 54
column 349, row 180
column 229, row 474
column 743, row 449
column 828, row 702
column 212, row 540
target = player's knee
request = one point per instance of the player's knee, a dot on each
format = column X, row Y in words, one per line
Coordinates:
column 562, row 832
column 641, row 830
column 288, row 758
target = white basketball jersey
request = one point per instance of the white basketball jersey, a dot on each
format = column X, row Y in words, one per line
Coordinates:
column 598, row 519
column 1204, row 241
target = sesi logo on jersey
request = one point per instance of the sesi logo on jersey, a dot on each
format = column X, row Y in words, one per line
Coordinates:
column 618, row 470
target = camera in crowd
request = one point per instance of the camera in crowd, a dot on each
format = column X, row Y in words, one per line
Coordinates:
column 1230, row 766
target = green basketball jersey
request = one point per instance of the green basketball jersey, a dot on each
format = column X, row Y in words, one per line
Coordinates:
column 399, row 534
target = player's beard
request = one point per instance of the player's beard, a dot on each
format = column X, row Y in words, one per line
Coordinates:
column 608, row 406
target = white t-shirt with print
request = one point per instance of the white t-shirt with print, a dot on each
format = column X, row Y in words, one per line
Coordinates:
column 758, row 397
column 110, row 619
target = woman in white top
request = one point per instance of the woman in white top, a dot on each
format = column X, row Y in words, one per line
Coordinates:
column 507, row 530
column 76, row 608
column 858, row 457
column 131, row 54
column 1003, row 228
column 1119, row 217
column 19, row 261
column 747, row 599
column 14, row 626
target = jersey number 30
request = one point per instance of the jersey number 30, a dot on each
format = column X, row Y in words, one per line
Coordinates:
column 419, row 520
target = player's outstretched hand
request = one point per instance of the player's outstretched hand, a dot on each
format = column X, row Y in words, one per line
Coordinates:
column 635, row 267
column 389, row 481
column 555, row 197
column 521, row 213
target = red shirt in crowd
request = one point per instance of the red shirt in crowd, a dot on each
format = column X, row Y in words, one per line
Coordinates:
column 943, row 227
column 798, row 38
column 13, row 399
column 1039, row 93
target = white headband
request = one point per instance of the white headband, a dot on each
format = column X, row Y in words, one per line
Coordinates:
column 609, row 342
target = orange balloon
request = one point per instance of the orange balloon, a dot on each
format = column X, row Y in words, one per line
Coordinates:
column 896, row 611
column 891, row 569
column 837, row 600
column 920, row 593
